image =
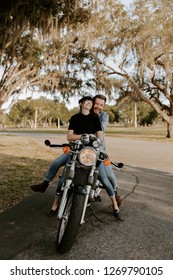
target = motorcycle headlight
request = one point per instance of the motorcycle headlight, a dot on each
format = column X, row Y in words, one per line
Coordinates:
column 87, row 156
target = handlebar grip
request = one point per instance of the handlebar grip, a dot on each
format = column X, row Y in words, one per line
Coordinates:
column 47, row 142
column 118, row 165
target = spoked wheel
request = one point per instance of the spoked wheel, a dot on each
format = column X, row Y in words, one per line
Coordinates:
column 70, row 223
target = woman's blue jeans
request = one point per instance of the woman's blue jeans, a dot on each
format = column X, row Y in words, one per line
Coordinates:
column 55, row 166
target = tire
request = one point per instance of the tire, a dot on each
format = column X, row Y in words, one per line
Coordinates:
column 69, row 226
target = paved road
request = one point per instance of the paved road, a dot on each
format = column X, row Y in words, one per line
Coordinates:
column 146, row 232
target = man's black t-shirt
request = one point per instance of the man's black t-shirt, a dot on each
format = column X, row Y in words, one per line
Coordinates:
column 81, row 124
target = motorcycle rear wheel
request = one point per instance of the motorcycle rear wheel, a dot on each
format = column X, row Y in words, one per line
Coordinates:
column 69, row 225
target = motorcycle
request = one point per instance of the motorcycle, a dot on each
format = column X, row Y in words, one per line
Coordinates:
column 80, row 188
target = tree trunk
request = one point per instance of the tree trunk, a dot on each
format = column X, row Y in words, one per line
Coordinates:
column 35, row 120
column 2, row 119
column 58, row 123
column 135, row 121
column 170, row 128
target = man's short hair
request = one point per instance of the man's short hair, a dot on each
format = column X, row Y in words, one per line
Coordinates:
column 100, row 96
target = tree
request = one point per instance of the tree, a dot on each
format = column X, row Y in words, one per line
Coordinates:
column 42, row 112
column 148, row 119
column 22, row 113
column 17, row 17
column 113, row 112
column 134, row 112
column 54, row 34
column 138, row 49
column 36, row 53
column 115, row 51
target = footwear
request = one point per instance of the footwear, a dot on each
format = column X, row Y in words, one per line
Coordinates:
column 59, row 193
column 52, row 212
column 118, row 199
column 40, row 187
column 116, row 212
column 98, row 198
column 91, row 199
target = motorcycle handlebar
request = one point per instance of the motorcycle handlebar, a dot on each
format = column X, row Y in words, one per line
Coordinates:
column 118, row 165
column 48, row 143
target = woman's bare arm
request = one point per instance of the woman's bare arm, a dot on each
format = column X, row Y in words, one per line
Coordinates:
column 72, row 137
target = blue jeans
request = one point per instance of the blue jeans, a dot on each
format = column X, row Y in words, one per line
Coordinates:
column 55, row 166
column 105, row 181
column 111, row 176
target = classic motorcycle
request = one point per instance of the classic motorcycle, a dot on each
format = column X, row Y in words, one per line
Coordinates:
column 80, row 187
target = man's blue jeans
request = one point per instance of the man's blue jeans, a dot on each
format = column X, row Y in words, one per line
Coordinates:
column 103, row 177
column 111, row 176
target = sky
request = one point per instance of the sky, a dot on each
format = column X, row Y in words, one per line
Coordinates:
column 127, row 2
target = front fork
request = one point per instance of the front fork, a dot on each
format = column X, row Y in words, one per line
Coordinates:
column 91, row 181
column 88, row 188
column 65, row 191
column 64, row 199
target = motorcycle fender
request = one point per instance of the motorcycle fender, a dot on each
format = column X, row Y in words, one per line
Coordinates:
column 81, row 190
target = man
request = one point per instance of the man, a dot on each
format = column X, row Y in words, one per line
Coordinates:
column 99, row 101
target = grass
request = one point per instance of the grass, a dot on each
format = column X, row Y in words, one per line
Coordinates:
column 24, row 162
column 143, row 133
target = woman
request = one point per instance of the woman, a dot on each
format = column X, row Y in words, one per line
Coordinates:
column 81, row 123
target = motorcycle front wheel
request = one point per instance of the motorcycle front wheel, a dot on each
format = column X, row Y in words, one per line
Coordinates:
column 70, row 222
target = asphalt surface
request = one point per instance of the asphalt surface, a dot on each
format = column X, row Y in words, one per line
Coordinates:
column 146, row 229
